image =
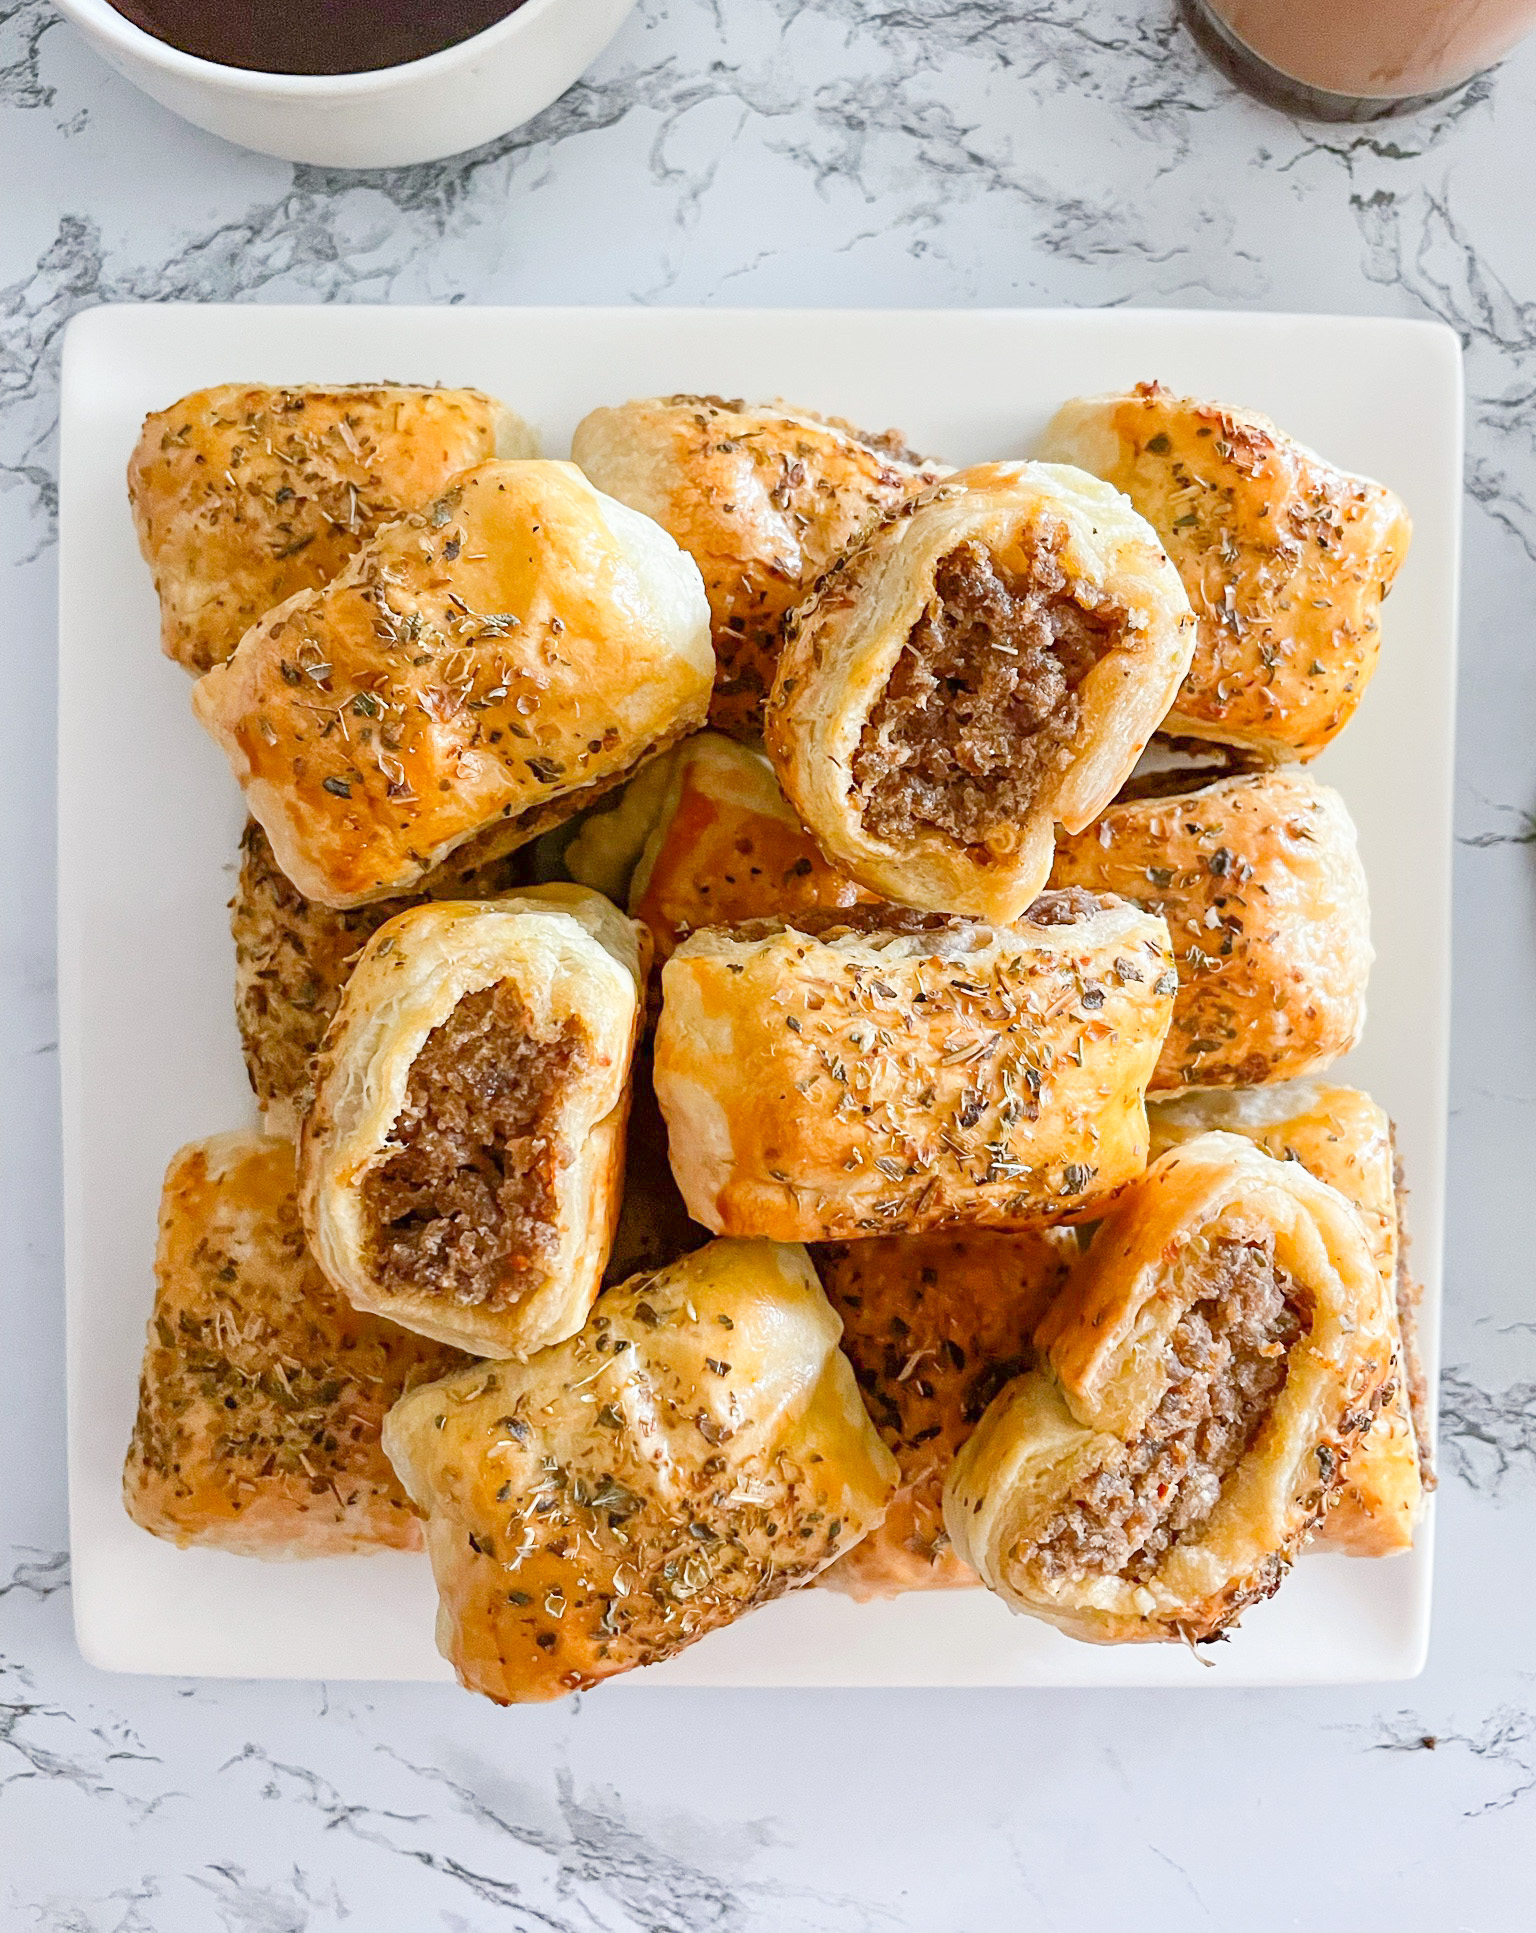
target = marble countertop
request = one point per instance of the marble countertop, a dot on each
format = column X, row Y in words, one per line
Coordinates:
column 935, row 152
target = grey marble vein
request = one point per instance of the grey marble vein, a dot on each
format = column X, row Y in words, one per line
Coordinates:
column 1488, row 1436
column 1505, row 1740
column 23, row 23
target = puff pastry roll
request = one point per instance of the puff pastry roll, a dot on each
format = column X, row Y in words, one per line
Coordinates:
column 762, row 497
column 726, row 847
column 1260, row 881
column 243, row 495
column 986, row 662
column 1206, row 1374
column 293, row 957
column 934, row 1325
column 263, row 1391
column 461, row 1167
column 1344, row 1138
column 890, row 1082
column 1286, row 560
column 697, row 1450
column 479, row 673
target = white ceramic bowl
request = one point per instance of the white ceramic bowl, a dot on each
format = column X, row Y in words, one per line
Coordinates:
column 420, row 111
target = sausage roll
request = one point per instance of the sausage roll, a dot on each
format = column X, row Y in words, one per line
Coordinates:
column 890, row 1081
column 1286, row 560
column 726, row 847
column 1260, row 881
column 461, row 1167
column 698, row 1449
column 263, row 1391
column 243, row 495
column 478, row 673
column 1206, row 1374
column 293, row 957
column 987, row 661
column 934, row 1326
column 762, row 498
column 1343, row 1137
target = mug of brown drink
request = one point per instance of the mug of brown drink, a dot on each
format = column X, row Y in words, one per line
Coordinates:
column 1352, row 60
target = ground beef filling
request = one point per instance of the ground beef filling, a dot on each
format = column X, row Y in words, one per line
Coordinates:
column 464, row 1205
column 1229, row 1355
column 983, row 703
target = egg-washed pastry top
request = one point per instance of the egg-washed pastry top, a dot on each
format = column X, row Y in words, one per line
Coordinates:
column 1260, row 881
column 244, row 494
column 697, row 1450
column 262, row 1390
column 911, row 1073
column 479, row 672
column 763, row 497
column 1286, row 559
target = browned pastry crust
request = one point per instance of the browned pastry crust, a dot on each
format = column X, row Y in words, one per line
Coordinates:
column 1206, row 1375
column 478, row 673
column 727, row 847
column 1286, row 559
column 263, row 1391
column 294, row 956
column 762, row 497
column 888, row 1082
column 934, row 1326
column 243, row 495
column 699, row 1449
column 1344, row 1138
column 462, row 1164
column 988, row 660
column 1260, row 881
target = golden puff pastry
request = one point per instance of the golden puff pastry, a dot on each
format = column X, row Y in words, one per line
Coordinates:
column 461, row 1167
column 1286, row 560
column 762, row 497
column 1344, row 1138
column 990, row 659
column 293, row 957
column 726, row 847
column 697, row 1450
column 1260, row 881
column 263, row 1391
column 479, row 672
column 893, row 1081
column 1205, row 1376
column 243, row 495
column 934, row 1325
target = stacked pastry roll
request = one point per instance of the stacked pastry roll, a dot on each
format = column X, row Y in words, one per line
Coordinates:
column 876, row 1140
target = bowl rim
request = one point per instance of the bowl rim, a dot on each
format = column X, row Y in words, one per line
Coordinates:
column 102, row 21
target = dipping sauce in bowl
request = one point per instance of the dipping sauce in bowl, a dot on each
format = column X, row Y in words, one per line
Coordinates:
column 314, row 36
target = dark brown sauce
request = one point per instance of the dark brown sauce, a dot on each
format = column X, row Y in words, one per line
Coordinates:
column 314, row 36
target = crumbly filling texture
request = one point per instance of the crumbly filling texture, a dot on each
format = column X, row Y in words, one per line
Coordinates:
column 1067, row 906
column 982, row 706
column 1228, row 1360
column 464, row 1206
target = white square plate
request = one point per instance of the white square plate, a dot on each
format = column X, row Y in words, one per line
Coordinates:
column 149, row 818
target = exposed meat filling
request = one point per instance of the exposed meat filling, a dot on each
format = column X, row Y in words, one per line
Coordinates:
column 465, row 1205
column 1229, row 1358
column 1067, row 906
column 982, row 706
